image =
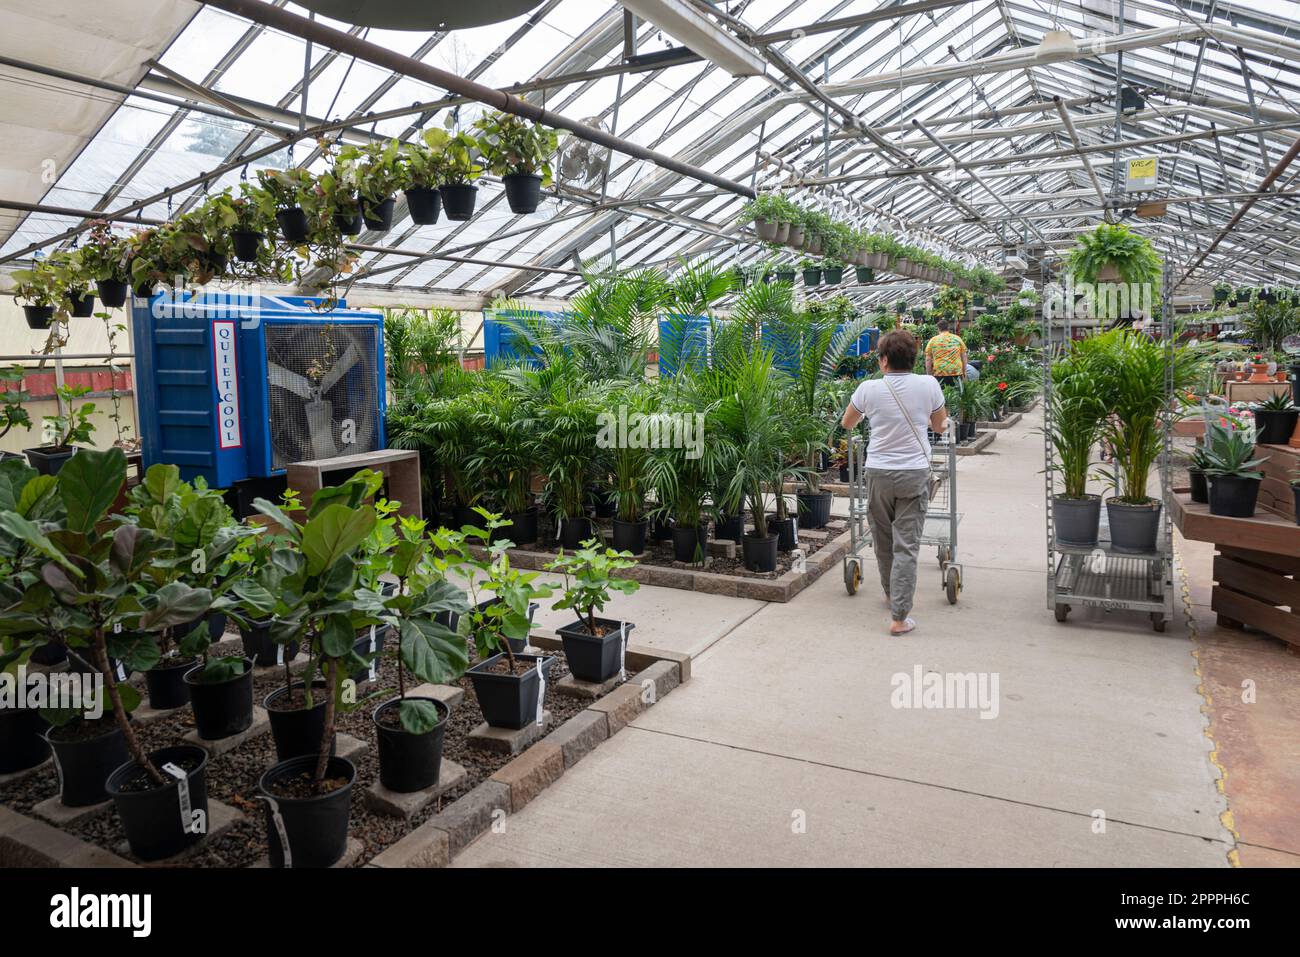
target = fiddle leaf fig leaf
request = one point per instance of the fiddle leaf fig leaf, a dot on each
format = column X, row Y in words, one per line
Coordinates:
column 89, row 483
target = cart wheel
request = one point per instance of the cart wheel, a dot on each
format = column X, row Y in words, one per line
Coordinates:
column 1158, row 621
column 852, row 576
column 1062, row 612
column 952, row 583
column 945, row 556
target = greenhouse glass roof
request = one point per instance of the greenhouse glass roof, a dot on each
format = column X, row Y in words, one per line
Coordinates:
column 958, row 143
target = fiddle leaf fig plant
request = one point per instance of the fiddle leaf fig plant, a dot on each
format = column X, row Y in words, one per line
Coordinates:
column 590, row 574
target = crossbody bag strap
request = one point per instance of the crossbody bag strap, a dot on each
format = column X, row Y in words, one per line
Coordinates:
column 925, row 447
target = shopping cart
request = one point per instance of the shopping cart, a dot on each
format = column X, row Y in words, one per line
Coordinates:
column 941, row 518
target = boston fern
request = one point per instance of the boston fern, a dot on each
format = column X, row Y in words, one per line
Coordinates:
column 1114, row 244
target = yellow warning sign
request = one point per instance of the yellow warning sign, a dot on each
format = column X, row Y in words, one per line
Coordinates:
column 1142, row 172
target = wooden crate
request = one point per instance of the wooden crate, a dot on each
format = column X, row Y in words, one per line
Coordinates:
column 1255, row 391
column 1280, row 466
column 401, row 469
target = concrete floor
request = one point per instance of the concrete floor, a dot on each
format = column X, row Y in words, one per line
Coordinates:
column 785, row 747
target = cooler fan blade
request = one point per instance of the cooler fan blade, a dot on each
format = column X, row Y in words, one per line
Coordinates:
column 320, row 425
column 341, row 368
column 289, row 381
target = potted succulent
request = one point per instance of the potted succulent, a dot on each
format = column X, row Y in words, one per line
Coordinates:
column 1076, row 414
column 520, row 153
column 1199, row 487
column 459, row 172
column 36, row 290
column 1232, row 473
column 593, row 647
column 508, row 686
column 71, row 425
column 426, row 165
column 1275, row 419
column 103, row 259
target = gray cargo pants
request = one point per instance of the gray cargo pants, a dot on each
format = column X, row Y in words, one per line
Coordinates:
column 896, row 500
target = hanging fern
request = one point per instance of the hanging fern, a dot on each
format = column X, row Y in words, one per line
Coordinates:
column 1114, row 244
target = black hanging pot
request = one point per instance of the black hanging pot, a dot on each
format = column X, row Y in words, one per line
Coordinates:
column 730, row 528
column 786, row 531
column 458, row 200
column 1200, row 488
column 834, row 275
column 785, row 275
column 112, row 292
column 22, row 739
column 865, row 274
column 370, row 646
column 218, row 262
column 48, row 459
column 83, row 304
column 38, row 317
column 1275, row 427
column 293, row 224
column 630, row 536
column 221, row 708
column 378, row 216
column 247, row 245
column 759, row 552
column 160, row 821
column 1233, row 495
column 408, row 762
column 1133, row 528
column 424, row 203
column 593, row 657
column 166, row 683
column 812, row 277
column 299, row 730
column 83, row 765
column 349, row 224
column 259, row 646
column 1076, row 520
column 508, row 700
column 523, row 192
column 315, row 825
column 690, row 543
column 814, row 509
column 574, row 531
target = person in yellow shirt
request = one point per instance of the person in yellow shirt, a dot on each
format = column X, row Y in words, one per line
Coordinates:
column 945, row 356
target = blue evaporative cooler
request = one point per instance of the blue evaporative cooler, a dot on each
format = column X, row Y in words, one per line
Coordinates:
column 233, row 386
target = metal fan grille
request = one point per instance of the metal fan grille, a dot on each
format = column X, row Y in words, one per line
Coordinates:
column 303, row 429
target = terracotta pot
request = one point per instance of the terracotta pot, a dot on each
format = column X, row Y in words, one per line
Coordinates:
column 1259, row 372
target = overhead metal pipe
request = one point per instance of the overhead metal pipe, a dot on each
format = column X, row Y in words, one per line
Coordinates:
column 1078, row 145
column 315, row 32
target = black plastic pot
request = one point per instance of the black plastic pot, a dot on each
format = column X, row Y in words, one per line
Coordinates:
column 523, row 192
column 1295, row 491
column 464, row 515
column 247, row 244
column 362, row 647
column 298, row 733
column 48, row 459
column 834, row 275
column 574, row 531
column 1076, row 520
column 729, row 528
column 38, row 317
column 83, row 305
column 214, row 622
column 349, row 224
column 259, row 646
column 293, row 224
column 316, row 826
column 785, row 530
column 759, row 552
column 630, row 536
column 1133, row 528
column 22, row 739
column 1275, row 427
column 661, row 530
column 218, row 262
column 590, row 657
column 378, row 216
column 167, row 687
column 424, row 204
column 785, row 275
column 508, row 701
column 522, row 529
column 84, row 766
column 1233, row 495
column 50, row 653
column 221, row 708
column 409, row 762
column 602, row 502
column 968, row 431
column 865, row 274
column 112, row 293
column 814, row 509
column 1200, row 489
column 812, row 277
column 159, row 823
column 458, row 200
column 690, row 543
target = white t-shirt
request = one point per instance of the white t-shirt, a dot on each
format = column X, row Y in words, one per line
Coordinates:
column 893, row 444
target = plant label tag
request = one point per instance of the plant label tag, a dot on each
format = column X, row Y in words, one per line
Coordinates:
column 795, row 524
column 183, row 795
column 58, row 768
column 374, row 660
column 278, row 823
column 622, row 651
column 121, row 671
column 541, row 692
column 117, row 627
column 279, row 654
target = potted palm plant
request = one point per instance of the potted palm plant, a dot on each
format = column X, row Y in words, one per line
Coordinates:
column 631, row 464
column 505, row 456
column 593, row 647
column 568, row 427
column 1232, row 473
column 520, row 153
column 1077, row 411
column 461, row 169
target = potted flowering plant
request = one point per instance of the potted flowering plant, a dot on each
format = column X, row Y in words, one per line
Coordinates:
column 520, row 153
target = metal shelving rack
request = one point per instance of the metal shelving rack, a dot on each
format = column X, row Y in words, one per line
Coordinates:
column 1103, row 577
